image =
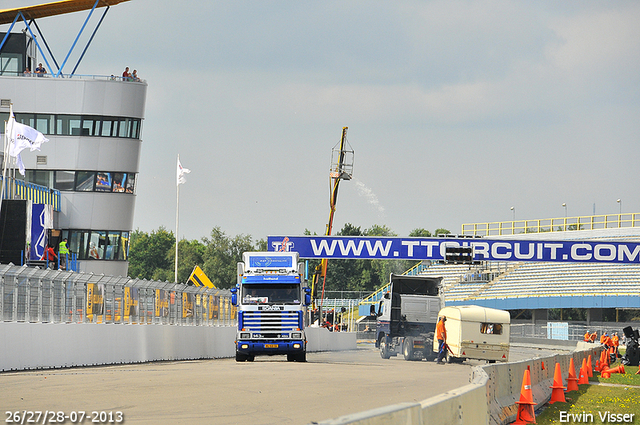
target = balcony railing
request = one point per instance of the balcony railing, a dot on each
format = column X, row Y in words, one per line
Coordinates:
column 19, row 189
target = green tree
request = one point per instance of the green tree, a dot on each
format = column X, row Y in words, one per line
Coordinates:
column 420, row 233
column 222, row 255
column 148, row 254
column 377, row 230
column 190, row 254
column 441, row 232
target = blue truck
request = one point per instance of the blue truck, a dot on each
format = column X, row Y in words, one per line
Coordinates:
column 272, row 299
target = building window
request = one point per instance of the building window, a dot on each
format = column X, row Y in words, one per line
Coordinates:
column 98, row 244
column 91, row 126
column 45, row 124
column 109, row 127
column 65, row 180
column 26, row 119
column 76, row 125
column 103, row 184
column 42, row 178
column 68, row 125
column 85, row 181
column 131, row 182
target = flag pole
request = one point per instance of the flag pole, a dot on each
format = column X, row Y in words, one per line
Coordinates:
column 5, row 154
column 177, row 214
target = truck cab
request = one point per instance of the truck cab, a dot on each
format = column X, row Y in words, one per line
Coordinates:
column 407, row 315
column 271, row 300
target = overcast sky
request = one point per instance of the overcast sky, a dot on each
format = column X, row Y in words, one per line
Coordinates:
column 457, row 110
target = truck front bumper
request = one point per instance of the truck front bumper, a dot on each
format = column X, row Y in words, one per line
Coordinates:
column 270, row 347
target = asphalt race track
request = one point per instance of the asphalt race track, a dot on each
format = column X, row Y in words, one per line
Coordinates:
column 267, row 391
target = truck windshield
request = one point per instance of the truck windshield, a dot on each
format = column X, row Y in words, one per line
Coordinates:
column 270, row 294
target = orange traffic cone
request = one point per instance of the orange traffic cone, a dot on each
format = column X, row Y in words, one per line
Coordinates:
column 589, row 366
column 572, row 381
column 543, row 369
column 557, row 394
column 597, row 369
column 526, row 414
column 604, row 363
column 584, row 375
column 619, row 369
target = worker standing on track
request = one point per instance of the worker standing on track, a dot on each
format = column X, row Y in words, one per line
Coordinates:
column 615, row 341
column 441, row 335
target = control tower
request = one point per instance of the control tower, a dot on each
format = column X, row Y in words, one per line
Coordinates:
column 94, row 126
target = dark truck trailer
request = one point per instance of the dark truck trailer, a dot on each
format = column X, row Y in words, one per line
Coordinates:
column 407, row 317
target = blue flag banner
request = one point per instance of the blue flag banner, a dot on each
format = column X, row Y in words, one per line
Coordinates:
column 363, row 247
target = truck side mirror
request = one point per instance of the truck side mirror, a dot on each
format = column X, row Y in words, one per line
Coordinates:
column 234, row 296
column 307, row 296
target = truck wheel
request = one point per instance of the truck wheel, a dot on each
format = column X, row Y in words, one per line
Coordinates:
column 301, row 357
column 384, row 348
column 291, row 357
column 250, row 357
column 240, row 357
column 407, row 348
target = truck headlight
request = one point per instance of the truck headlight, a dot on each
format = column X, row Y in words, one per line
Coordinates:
column 245, row 335
column 296, row 346
column 296, row 335
column 244, row 346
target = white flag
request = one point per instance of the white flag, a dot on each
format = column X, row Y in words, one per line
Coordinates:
column 181, row 172
column 22, row 137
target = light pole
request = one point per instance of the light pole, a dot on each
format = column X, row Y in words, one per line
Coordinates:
column 619, row 201
column 564, row 204
column 514, row 213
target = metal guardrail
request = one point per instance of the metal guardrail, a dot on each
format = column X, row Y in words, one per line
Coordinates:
column 54, row 296
column 589, row 222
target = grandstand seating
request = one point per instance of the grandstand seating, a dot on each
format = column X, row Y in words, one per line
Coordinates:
column 491, row 282
column 560, row 279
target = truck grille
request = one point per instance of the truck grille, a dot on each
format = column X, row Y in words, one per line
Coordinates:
column 266, row 321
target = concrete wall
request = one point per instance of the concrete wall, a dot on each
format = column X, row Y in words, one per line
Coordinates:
column 489, row 399
column 53, row 345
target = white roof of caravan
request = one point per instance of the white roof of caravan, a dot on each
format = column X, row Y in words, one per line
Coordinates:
column 474, row 313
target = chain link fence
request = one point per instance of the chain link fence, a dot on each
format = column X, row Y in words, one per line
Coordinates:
column 37, row 295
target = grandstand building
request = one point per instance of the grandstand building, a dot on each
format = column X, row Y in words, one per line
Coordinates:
column 94, row 127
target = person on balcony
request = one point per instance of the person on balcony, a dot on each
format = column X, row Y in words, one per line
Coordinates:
column 50, row 256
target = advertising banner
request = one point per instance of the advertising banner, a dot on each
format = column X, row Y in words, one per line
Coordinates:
column 362, row 247
column 38, row 237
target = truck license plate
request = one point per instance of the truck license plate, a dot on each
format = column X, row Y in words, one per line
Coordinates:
column 271, row 346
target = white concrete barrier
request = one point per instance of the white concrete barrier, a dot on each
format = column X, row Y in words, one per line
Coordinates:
column 489, row 399
column 53, row 345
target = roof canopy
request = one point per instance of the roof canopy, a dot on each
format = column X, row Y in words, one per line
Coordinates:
column 54, row 8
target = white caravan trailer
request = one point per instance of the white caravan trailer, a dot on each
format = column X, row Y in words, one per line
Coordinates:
column 476, row 333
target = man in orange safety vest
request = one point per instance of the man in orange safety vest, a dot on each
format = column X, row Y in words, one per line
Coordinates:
column 441, row 335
